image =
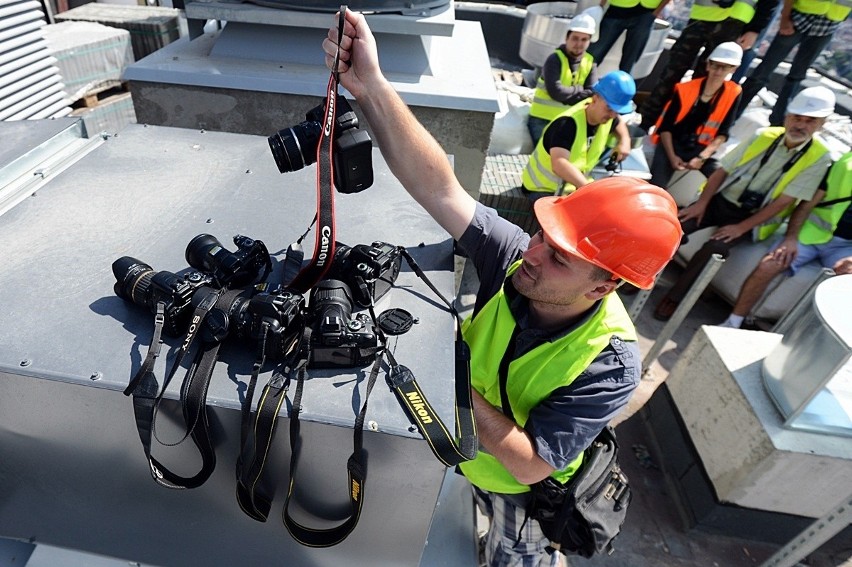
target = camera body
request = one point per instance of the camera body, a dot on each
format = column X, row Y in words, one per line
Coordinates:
column 751, row 200
column 235, row 269
column 244, row 318
column 368, row 270
column 337, row 338
column 295, row 147
column 724, row 3
column 138, row 283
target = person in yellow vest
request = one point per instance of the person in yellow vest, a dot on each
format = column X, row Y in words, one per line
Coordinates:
column 695, row 122
column 573, row 143
column 635, row 18
column 566, row 77
column 711, row 22
column 808, row 25
column 757, row 186
column 545, row 311
column 819, row 230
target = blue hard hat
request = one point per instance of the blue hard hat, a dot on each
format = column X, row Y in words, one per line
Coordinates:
column 617, row 89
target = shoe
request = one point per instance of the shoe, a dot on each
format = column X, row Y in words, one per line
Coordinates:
column 665, row 308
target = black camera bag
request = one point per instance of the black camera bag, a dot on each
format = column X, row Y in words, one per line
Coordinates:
column 585, row 515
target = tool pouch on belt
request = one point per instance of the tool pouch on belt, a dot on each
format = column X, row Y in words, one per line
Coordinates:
column 585, row 515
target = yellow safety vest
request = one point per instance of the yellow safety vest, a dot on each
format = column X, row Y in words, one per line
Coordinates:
column 834, row 10
column 709, row 11
column 534, row 376
column 762, row 143
column 538, row 175
column 543, row 106
column 650, row 4
column 822, row 222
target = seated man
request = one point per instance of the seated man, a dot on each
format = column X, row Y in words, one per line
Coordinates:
column 696, row 120
column 825, row 237
column 572, row 144
column 758, row 185
column 566, row 77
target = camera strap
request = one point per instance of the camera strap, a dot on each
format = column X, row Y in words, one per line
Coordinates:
column 356, row 467
column 146, row 398
column 412, row 398
column 325, row 239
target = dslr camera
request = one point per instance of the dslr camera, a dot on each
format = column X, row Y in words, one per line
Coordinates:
column 751, row 200
column 368, row 270
column 337, row 338
column 228, row 269
column 138, row 283
column 295, row 147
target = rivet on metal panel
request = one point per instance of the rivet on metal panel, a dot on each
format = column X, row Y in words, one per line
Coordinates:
column 196, row 146
column 95, row 376
column 248, row 171
column 373, row 425
column 412, row 428
column 209, row 221
column 26, row 362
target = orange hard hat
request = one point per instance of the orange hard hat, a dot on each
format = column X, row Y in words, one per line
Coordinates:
column 622, row 224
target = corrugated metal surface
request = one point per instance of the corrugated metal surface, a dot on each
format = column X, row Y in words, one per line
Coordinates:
column 30, row 85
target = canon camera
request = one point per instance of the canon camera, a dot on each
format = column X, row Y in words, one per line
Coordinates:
column 295, row 147
column 368, row 270
column 337, row 338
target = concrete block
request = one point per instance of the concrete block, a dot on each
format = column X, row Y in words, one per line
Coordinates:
column 750, row 459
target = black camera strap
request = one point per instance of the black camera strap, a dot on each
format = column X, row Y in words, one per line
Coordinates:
column 325, row 237
column 146, row 398
column 356, row 467
column 256, row 435
column 412, row 398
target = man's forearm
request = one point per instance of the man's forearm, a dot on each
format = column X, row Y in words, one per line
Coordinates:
column 508, row 443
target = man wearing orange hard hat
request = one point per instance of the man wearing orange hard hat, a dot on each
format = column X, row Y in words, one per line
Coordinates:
column 545, row 317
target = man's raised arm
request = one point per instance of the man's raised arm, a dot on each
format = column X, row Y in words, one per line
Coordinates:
column 414, row 156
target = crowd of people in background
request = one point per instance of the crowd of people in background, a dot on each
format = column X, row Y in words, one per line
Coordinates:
column 780, row 176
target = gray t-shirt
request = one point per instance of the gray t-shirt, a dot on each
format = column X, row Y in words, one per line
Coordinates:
column 569, row 420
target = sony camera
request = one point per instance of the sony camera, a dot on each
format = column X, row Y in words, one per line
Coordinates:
column 228, row 269
column 295, row 147
column 138, row 283
column 368, row 270
column 337, row 338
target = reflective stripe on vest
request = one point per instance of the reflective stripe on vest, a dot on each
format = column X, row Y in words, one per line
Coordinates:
column 538, row 175
column 534, row 376
column 762, row 143
column 543, row 106
column 649, row 4
column 709, row 11
column 688, row 93
column 835, row 10
column 822, row 222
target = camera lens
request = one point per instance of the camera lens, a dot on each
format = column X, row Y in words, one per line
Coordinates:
column 294, row 148
column 133, row 277
column 331, row 303
column 201, row 252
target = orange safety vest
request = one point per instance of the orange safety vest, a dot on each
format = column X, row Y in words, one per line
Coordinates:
column 688, row 93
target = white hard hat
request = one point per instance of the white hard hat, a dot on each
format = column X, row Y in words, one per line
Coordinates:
column 582, row 23
column 729, row 53
column 817, row 102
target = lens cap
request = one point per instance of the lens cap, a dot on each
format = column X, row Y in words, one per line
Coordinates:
column 395, row 321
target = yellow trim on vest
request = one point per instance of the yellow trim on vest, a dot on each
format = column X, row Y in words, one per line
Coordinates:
column 822, row 222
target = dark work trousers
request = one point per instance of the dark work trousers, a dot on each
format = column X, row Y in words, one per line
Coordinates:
column 662, row 170
column 720, row 212
column 682, row 58
column 809, row 49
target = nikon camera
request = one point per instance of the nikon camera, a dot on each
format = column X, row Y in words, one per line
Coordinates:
column 295, row 147
column 368, row 270
column 337, row 338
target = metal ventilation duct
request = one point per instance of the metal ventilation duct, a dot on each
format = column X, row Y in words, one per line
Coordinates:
column 30, row 85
